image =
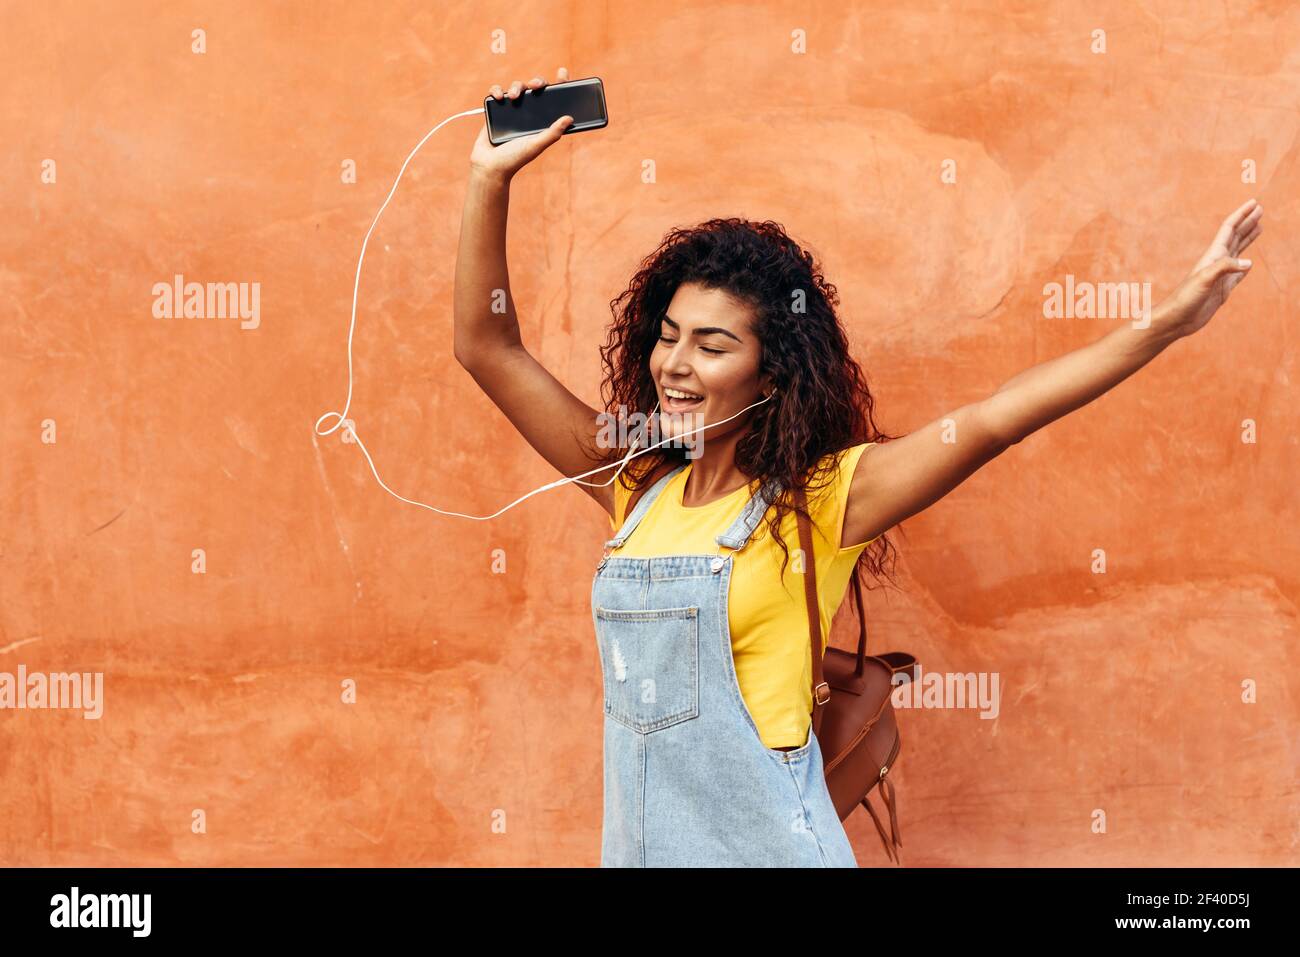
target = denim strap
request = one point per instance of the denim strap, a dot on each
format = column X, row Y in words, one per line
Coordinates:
column 750, row 517
column 642, row 506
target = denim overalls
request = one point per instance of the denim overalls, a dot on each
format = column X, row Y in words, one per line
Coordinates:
column 688, row 780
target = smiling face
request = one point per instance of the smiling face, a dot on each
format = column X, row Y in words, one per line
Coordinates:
column 706, row 363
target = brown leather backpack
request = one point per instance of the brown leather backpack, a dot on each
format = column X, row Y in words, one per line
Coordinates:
column 853, row 712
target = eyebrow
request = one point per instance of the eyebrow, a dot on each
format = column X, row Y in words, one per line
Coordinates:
column 704, row 330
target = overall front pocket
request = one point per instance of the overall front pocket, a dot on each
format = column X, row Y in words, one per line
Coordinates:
column 650, row 665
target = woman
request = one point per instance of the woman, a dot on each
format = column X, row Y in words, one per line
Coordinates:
column 709, row 754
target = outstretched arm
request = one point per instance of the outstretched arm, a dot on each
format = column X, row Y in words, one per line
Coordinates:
column 897, row 479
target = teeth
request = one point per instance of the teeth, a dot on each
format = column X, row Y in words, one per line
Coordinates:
column 678, row 394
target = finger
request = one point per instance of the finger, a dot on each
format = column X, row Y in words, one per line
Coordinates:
column 1223, row 267
column 1246, row 223
column 1224, row 236
column 1241, row 212
column 495, row 91
column 536, row 83
column 561, row 74
column 535, row 143
column 1249, row 238
column 553, row 132
column 514, row 89
column 1249, row 223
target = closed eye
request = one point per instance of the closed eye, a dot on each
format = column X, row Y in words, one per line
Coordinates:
column 713, row 352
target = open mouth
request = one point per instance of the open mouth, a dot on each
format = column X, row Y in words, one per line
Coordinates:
column 678, row 400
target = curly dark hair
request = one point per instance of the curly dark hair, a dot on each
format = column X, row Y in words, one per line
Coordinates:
column 824, row 407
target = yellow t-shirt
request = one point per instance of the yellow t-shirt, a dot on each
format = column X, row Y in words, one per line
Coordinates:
column 769, row 623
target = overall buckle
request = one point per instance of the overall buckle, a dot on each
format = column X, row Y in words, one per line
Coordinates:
column 604, row 558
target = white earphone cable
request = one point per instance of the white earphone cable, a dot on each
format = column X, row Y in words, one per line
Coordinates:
column 350, row 428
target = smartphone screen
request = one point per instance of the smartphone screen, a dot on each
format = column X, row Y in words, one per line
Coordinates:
column 535, row 110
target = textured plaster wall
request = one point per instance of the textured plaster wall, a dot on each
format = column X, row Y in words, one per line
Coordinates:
column 478, row 690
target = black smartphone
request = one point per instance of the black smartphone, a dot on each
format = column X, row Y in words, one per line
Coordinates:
column 535, row 110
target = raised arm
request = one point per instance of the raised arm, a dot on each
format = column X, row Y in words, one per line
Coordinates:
column 487, row 343
column 897, row 479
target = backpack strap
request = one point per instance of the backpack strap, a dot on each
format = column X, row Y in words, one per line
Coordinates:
column 819, row 683
column 821, row 691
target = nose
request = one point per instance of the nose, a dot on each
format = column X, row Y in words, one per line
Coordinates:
column 677, row 363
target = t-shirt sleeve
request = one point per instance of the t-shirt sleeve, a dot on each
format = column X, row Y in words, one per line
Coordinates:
column 843, row 482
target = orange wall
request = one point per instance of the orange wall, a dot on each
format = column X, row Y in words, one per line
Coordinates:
column 479, row 693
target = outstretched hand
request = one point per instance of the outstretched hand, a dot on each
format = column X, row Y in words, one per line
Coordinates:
column 1216, row 273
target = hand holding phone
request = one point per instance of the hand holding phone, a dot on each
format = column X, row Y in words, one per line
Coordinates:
column 521, row 122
